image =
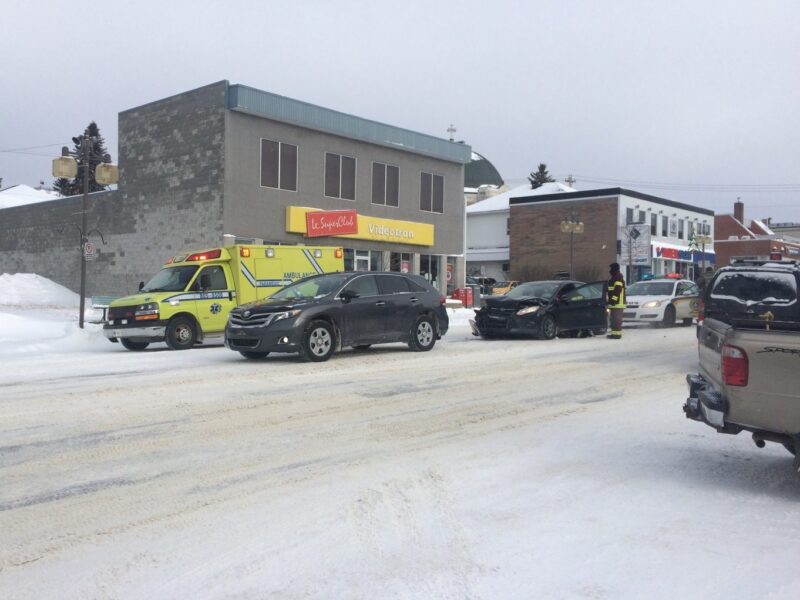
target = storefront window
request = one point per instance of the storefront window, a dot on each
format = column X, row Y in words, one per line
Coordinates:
column 429, row 268
column 401, row 262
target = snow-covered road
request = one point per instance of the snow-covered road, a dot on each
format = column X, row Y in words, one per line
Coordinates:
column 483, row 469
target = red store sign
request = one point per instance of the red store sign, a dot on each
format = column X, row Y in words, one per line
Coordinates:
column 331, row 222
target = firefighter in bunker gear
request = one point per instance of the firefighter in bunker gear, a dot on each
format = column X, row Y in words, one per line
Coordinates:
column 615, row 300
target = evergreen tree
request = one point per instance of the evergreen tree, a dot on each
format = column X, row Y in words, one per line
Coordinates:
column 540, row 176
column 72, row 187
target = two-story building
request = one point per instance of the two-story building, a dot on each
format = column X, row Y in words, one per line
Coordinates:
column 582, row 232
column 232, row 162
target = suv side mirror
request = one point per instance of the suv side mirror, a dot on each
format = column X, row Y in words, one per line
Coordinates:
column 348, row 295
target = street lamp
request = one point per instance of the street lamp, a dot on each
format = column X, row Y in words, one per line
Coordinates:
column 571, row 225
column 67, row 165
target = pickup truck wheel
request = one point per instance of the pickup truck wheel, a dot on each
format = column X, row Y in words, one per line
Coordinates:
column 131, row 345
column 181, row 334
column 253, row 355
column 669, row 317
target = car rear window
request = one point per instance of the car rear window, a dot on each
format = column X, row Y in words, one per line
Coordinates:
column 750, row 295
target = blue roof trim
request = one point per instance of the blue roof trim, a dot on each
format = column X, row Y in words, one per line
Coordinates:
column 272, row 106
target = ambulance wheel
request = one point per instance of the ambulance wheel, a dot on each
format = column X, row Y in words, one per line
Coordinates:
column 181, row 334
column 319, row 341
column 253, row 355
column 131, row 345
column 423, row 334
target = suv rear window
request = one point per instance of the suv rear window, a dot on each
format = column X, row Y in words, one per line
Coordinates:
column 748, row 295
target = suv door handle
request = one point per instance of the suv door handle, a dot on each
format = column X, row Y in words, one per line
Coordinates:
column 414, row 300
column 380, row 303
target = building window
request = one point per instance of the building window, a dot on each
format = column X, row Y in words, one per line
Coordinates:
column 340, row 176
column 664, row 226
column 628, row 216
column 680, row 229
column 642, row 217
column 508, row 226
column 278, row 165
column 653, row 224
column 385, row 184
column 431, row 193
column 690, row 228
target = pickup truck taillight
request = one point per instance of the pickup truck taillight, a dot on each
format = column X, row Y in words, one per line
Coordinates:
column 734, row 366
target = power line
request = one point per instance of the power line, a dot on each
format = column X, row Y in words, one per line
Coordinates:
column 29, row 148
column 699, row 187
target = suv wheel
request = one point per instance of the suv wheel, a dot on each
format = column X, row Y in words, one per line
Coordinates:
column 319, row 342
column 423, row 334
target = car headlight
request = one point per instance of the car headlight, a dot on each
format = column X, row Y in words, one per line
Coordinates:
column 528, row 310
column 285, row 315
column 652, row 304
column 146, row 312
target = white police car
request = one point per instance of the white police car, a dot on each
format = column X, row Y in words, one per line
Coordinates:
column 662, row 301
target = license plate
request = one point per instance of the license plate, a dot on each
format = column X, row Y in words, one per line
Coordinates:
column 118, row 332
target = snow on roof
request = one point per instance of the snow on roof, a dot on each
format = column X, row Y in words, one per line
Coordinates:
column 500, row 201
column 763, row 226
column 20, row 195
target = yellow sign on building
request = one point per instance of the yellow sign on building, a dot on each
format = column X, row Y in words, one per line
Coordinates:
column 369, row 228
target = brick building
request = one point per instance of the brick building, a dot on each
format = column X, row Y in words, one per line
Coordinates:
column 738, row 237
column 539, row 246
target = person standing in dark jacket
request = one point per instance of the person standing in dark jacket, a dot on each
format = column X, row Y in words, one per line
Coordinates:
column 615, row 300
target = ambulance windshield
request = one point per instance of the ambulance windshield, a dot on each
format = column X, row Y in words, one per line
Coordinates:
column 171, row 279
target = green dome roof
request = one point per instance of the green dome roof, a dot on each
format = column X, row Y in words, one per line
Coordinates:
column 480, row 171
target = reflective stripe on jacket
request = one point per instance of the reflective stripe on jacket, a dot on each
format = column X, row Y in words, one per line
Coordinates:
column 616, row 291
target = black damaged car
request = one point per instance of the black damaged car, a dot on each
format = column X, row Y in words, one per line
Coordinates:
column 318, row 315
column 544, row 309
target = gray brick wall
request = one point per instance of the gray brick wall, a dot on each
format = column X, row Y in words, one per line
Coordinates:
column 169, row 199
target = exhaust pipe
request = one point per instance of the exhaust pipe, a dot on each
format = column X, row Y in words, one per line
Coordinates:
column 761, row 437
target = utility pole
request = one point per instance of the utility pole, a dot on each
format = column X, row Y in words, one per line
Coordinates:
column 451, row 130
column 569, row 180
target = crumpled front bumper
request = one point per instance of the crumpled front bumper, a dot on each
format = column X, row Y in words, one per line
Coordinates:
column 705, row 404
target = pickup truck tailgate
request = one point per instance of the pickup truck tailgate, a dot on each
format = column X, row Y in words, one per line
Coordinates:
column 771, row 398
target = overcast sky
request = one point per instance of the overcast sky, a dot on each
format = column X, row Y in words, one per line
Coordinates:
column 702, row 97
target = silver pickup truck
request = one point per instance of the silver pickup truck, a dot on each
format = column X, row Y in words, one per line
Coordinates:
column 749, row 350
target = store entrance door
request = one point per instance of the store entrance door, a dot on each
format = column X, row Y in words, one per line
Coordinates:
column 362, row 260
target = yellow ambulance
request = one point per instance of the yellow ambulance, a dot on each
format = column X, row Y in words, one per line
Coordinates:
column 189, row 299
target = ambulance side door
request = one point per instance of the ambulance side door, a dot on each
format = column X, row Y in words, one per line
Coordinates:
column 216, row 297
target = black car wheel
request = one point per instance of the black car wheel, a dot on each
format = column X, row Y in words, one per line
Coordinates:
column 669, row 317
column 318, row 342
column 181, row 334
column 548, row 328
column 423, row 334
column 131, row 345
column 253, row 355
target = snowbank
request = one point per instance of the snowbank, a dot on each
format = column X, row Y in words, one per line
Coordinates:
column 28, row 289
